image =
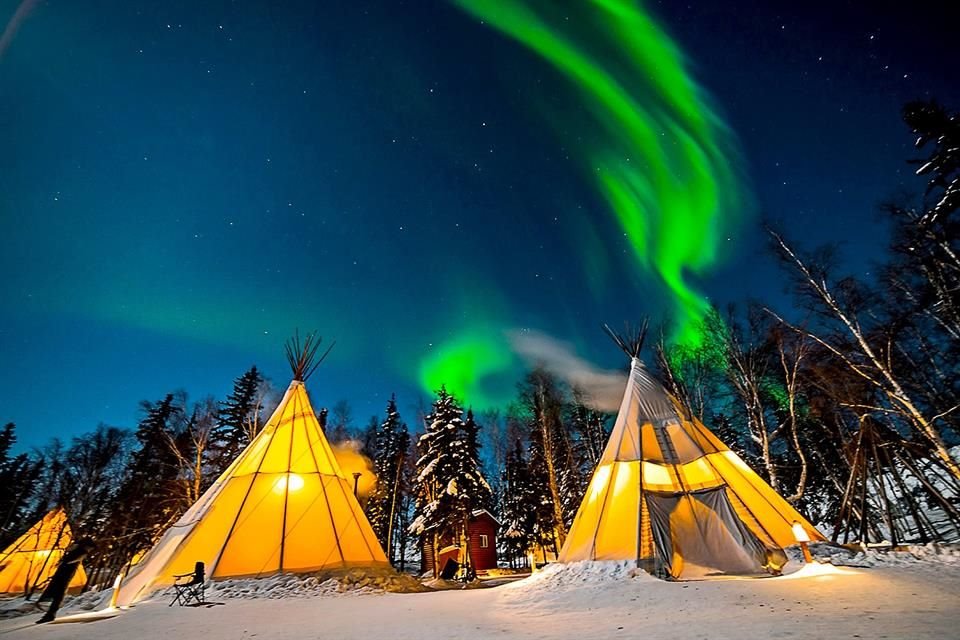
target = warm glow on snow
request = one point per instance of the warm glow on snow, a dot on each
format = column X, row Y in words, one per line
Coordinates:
column 819, row 570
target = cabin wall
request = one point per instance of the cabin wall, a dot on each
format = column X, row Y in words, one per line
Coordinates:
column 484, row 557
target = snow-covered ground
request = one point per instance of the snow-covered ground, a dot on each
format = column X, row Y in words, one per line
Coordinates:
column 903, row 596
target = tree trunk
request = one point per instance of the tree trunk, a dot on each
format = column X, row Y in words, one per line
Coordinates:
column 552, row 481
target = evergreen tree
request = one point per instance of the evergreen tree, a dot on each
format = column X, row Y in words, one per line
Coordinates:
column 471, row 442
column 469, row 488
column 149, row 500
column 18, row 475
column 518, row 508
column 239, row 420
column 406, row 503
column 471, row 436
column 434, row 509
column 933, row 124
column 449, row 482
column 392, row 446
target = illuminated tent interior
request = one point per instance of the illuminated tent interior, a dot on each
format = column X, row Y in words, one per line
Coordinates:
column 28, row 564
column 670, row 495
column 283, row 506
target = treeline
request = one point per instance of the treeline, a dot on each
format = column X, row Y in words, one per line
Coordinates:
column 122, row 489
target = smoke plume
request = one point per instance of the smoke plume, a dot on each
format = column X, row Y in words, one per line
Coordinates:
column 602, row 389
column 352, row 461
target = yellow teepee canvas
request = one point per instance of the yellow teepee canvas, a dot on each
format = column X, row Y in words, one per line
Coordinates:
column 669, row 494
column 28, row 564
column 283, row 506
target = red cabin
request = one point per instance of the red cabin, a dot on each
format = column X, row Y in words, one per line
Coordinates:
column 483, row 545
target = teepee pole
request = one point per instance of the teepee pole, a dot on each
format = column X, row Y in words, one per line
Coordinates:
column 845, row 505
column 887, row 506
column 642, row 495
column 233, row 525
column 864, row 504
column 286, row 483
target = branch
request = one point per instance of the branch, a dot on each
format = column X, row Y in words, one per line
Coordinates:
column 826, row 345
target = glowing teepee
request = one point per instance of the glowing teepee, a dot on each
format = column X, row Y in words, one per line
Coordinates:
column 670, row 495
column 283, row 506
column 28, row 563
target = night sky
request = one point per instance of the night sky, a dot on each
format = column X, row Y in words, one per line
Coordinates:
column 185, row 183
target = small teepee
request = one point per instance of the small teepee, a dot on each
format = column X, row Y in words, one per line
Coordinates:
column 28, row 563
column 283, row 506
column 670, row 495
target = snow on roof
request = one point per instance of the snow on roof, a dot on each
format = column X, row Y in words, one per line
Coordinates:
column 479, row 512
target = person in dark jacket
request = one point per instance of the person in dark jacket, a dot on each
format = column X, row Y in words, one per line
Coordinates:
column 57, row 587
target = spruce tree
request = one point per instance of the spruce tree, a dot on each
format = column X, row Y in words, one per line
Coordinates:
column 471, row 432
column 434, row 509
column 470, row 489
column 392, row 444
column 406, row 503
column 18, row 475
column 239, row 420
column 149, row 499
column 518, row 508
column 449, row 482
column 938, row 128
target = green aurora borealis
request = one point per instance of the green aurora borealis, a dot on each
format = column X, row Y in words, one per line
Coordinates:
column 425, row 183
column 663, row 161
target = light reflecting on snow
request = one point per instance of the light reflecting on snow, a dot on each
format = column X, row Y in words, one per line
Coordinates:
column 818, row 570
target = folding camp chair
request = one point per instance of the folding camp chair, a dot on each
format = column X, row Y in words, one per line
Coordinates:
column 189, row 587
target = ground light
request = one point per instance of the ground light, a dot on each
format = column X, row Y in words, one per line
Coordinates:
column 800, row 534
column 116, row 591
column 819, row 571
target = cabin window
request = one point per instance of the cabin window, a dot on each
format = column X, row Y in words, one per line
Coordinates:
column 484, row 542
